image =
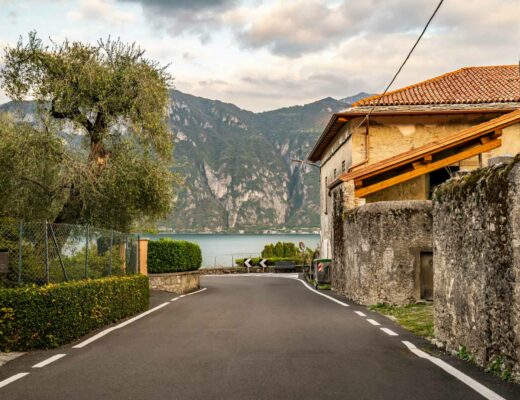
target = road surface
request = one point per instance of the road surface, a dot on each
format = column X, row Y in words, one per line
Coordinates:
column 248, row 338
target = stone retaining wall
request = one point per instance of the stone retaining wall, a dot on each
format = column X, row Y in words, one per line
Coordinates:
column 477, row 265
column 377, row 250
column 179, row 282
column 234, row 270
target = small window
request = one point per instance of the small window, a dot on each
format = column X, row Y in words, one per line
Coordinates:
column 343, row 166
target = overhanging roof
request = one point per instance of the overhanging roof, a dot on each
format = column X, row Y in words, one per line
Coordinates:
column 433, row 156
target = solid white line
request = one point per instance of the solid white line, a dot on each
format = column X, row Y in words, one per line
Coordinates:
column 48, row 361
column 389, row 332
column 360, row 313
column 472, row 383
column 375, row 323
column 127, row 322
column 198, row 291
column 322, row 294
column 174, row 299
column 181, row 296
column 13, row 378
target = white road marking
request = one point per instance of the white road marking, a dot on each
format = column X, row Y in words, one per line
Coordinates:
column 322, row 294
column 360, row 313
column 13, row 378
column 389, row 332
column 254, row 275
column 198, row 291
column 472, row 383
column 48, row 361
column 181, row 296
column 174, row 299
column 375, row 323
column 127, row 322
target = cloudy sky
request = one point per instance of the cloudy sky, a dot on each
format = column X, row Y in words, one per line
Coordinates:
column 263, row 55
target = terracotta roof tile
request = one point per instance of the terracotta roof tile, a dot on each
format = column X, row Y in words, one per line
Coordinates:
column 470, row 85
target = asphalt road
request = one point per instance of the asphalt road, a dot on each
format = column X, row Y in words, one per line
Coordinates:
column 247, row 338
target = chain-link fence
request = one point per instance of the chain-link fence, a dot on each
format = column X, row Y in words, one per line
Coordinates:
column 41, row 253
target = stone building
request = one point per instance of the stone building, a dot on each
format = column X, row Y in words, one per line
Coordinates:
column 400, row 147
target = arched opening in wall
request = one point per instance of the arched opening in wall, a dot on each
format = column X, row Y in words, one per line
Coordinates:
column 426, row 275
column 440, row 176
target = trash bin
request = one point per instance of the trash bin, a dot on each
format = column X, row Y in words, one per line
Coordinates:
column 321, row 271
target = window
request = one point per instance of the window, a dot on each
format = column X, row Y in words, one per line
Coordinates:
column 343, row 166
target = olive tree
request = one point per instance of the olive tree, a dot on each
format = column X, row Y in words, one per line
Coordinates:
column 116, row 100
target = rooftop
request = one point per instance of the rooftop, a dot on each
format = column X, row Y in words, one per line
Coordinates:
column 470, row 85
column 472, row 89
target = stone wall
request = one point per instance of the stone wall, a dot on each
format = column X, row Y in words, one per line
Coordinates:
column 377, row 250
column 477, row 265
column 179, row 282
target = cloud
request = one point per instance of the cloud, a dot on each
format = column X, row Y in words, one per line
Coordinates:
column 95, row 10
column 198, row 17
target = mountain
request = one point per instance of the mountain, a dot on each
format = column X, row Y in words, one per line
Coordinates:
column 236, row 165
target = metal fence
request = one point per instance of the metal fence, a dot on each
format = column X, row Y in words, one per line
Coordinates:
column 41, row 253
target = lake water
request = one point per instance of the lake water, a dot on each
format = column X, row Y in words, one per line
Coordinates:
column 221, row 250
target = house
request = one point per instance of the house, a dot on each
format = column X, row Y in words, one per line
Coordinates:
column 414, row 139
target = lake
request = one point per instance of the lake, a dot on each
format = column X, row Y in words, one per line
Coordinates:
column 221, row 249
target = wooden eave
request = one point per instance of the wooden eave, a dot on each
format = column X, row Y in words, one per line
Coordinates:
column 433, row 156
column 339, row 119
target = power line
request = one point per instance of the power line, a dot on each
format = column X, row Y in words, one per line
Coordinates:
column 403, row 63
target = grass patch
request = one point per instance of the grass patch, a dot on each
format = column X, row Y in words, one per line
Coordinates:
column 417, row 318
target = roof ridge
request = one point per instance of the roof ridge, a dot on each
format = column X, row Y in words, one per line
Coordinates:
column 430, row 80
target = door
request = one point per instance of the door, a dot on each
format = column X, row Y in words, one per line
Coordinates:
column 426, row 276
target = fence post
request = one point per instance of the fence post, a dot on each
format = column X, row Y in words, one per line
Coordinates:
column 138, row 255
column 20, row 250
column 86, row 252
column 46, row 253
column 111, row 245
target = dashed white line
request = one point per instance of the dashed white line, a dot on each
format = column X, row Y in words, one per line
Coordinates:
column 360, row 313
column 198, row 291
column 49, row 360
column 375, row 323
column 472, row 383
column 13, row 378
column 324, row 295
column 127, row 322
column 389, row 332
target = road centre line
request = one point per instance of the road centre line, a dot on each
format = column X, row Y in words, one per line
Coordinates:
column 360, row 313
column 375, row 323
column 322, row 294
column 472, row 383
column 48, row 361
column 389, row 332
column 127, row 322
column 13, row 378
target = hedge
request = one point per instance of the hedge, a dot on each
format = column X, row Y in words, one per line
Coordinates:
column 167, row 255
column 49, row 316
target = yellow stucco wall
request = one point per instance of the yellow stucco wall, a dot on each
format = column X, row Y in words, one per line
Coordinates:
column 392, row 135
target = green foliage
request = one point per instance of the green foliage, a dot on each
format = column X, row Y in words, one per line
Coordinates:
column 464, row 355
column 417, row 318
column 280, row 249
column 49, row 316
column 500, row 368
column 167, row 255
column 117, row 100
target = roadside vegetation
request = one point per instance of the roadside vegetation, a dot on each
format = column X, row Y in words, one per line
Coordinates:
column 417, row 318
column 167, row 255
column 49, row 316
column 281, row 251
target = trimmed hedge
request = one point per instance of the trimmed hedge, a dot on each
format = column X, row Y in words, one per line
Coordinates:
column 49, row 316
column 167, row 255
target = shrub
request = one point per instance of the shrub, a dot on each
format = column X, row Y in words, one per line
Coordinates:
column 167, row 255
column 281, row 250
column 49, row 316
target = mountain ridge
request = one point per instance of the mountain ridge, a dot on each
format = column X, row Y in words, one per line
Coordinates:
column 236, row 164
